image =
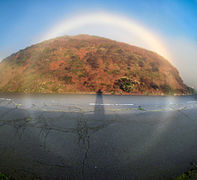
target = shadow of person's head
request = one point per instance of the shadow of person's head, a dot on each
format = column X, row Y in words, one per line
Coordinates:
column 99, row 106
column 99, row 92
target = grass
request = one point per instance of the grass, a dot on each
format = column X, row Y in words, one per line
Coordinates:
column 123, row 109
column 190, row 175
column 140, row 108
column 3, row 176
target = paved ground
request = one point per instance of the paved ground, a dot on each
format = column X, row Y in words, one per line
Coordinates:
column 97, row 142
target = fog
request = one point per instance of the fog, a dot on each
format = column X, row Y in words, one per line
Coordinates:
column 182, row 52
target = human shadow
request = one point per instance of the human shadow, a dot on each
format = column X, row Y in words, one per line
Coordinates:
column 77, row 145
column 84, row 128
column 99, row 106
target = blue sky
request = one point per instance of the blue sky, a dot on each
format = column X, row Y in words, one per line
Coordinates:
column 26, row 18
column 23, row 21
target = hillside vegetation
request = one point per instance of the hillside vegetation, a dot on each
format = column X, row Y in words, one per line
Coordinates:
column 87, row 64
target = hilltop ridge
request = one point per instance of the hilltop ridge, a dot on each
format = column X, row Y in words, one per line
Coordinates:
column 87, row 64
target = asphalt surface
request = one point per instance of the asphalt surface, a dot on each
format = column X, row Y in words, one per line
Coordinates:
column 97, row 137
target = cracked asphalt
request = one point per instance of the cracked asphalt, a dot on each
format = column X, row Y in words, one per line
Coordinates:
column 97, row 136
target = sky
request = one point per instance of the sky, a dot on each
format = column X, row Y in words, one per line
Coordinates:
column 168, row 27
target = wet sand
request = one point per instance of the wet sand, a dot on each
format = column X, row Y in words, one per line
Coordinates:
column 98, row 141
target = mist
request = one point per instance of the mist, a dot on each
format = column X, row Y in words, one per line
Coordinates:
column 184, row 53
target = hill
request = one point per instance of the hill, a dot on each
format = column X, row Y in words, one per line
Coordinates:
column 87, row 64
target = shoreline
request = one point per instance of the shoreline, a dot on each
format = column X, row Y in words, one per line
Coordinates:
column 92, row 93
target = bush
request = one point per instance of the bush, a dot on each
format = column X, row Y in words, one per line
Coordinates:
column 83, row 75
column 166, row 89
column 115, row 72
column 153, row 85
column 119, row 50
column 93, row 62
column 141, row 63
column 154, row 66
column 67, row 79
column 3, row 176
column 124, row 84
column 191, row 90
column 21, row 59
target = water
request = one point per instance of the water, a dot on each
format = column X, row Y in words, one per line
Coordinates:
column 97, row 136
